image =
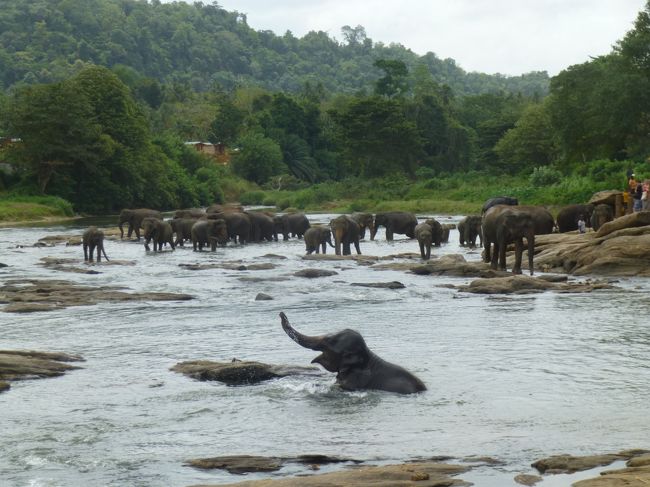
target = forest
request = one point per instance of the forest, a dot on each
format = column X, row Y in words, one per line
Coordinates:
column 102, row 113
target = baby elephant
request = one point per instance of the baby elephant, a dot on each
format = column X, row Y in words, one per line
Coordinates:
column 356, row 367
column 209, row 232
column 317, row 238
column 93, row 238
column 424, row 236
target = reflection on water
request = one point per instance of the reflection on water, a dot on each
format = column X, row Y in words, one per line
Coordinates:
column 515, row 377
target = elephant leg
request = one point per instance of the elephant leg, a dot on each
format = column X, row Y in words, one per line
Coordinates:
column 130, row 231
column 494, row 259
column 346, row 247
column 389, row 234
column 85, row 252
column 519, row 248
column 136, row 228
column 502, row 254
column 356, row 246
column 422, row 254
column 99, row 253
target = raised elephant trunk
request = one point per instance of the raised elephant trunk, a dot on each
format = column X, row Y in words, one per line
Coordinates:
column 313, row 343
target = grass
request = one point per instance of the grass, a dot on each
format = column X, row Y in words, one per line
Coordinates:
column 31, row 208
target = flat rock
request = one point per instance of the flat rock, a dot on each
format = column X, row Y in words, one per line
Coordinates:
column 72, row 265
column 384, row 285
column 29, row 364
column 231, row 266
column 263, row 297
column 520, row 284
column 314, row 273
column 354, row 257
column 238, row 372
column 420, row 474
column 448, row 265
column 571, row 464
column 626, row 477
column 33, row 295
column 239, row 464
column 526, row 479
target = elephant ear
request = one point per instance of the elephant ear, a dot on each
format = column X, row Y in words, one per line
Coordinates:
column 351, row 360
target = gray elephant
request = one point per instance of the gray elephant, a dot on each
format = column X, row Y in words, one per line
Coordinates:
column 469, row 228
column 195, row 213
column 317, row 238
column 291, row 224
column 356, row 367
column 93, row 238
column 346, row 232
column 365, row 220
column 238, row 224
column 159, row 231
column 437, row 231
column 499, row 200
column 134, row 218
column 446, row 230
column 209, row 232
column 424, row 236
column 502, row 225
column 182, row 227
column 395, row 222
column 262, row 227
column 602, row 214
column 567, row 217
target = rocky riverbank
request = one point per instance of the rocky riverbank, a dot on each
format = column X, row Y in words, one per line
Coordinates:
column 29, row 364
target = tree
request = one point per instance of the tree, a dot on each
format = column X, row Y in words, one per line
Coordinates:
column 227, row 125
column 258, row 158
column 395, row 79
column 377, row 138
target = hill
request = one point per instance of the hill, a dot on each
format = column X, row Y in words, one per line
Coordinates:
column 202, row 44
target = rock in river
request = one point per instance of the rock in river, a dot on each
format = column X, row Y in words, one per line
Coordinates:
column 239, row 372
column 28, row 364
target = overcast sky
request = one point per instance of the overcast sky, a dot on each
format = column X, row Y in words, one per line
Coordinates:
column 490, row 36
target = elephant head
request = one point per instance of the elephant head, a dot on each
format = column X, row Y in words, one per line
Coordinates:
column 357, row 368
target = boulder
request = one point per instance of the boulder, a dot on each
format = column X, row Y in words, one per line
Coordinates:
column 4, row 386
column 239, row 372
column 263, row 297
column 239, row 464
column 526, row 479
column 633, row 220
column 418, row 474
column 604, row 198
column 571, row 464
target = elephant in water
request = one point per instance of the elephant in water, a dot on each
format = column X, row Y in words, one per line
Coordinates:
column 93, row 238
column 134, row 219
column 395, row 222
column 567, row 217
column 346, row 232
column 503, row 225
column 160, row 232
column 357, row 368
column 469, row 229
column 424, row 236
column 209, row 232
column 317, row 238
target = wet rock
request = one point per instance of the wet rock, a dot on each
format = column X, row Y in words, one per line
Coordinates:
column 526, row 479
column 448, row 265
column 263, row 297
column 238, row 464
column 605, row 198
column 31, row 295
column 321, row 459
column 3, row 265
column 625, row 477
column 570, row 464
column 264, row 279
column 238, row 372
column 314, row 273
column 520, row 284
column 274, row 256
column 71, row 265
column 420, row 474
column 619, row 248
column 384, row 285
column 354, row 257
column 642, row 460
column 232, row 266
column 29, row 364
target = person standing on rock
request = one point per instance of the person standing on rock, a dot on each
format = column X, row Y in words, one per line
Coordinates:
column 638, row 194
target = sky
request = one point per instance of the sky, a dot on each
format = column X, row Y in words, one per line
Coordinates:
column 490, row 36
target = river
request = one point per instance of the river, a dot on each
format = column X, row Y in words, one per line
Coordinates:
column 516, row 378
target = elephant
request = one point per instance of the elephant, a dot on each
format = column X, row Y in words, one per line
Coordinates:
column 424, row 236
column 446, row 230
column 365, row 220
column 437, row 231
column 602, row 214
column 504, row 224
column 238, row 224
column 294, row 224
column 262, row 227
column 93, row 238
column 134, row 219
column 356, row 366
column 567, row 217
column 395, row 222
column 210, row 232
column 499, row 200
column 182, row 227
column 469, row 229
column 159, row 231
column 346, row 232
column 316, row 238
column 195, row 213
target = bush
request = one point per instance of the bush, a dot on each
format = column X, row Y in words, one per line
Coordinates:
column 252, row 198
column 545, row 176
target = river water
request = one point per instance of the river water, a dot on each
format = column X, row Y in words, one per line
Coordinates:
column 516, row 378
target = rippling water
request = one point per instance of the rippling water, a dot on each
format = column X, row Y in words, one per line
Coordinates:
column 513, row 377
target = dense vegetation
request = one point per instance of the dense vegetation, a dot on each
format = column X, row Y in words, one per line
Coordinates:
column 200, row 45
column 107, row 137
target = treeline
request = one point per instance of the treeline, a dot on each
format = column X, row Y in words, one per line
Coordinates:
column 200, row 45
column 111, row 138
